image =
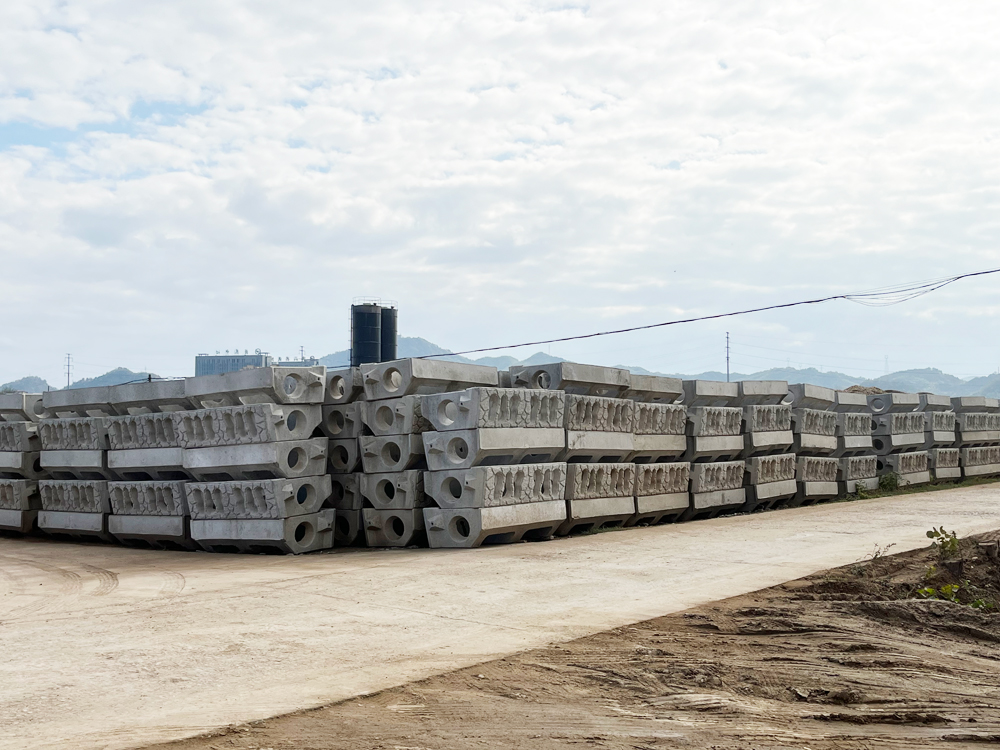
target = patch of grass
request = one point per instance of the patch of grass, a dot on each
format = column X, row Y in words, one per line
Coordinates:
column 931, row 487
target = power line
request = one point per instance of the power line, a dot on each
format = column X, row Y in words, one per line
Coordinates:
column 882, row 297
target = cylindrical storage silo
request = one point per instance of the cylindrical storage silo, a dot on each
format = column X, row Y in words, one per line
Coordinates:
column 366, row 334
column 388, row 334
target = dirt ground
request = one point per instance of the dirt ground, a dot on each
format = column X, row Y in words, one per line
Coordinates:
column 849, row 658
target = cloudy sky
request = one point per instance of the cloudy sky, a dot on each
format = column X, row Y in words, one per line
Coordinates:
column 196, row 176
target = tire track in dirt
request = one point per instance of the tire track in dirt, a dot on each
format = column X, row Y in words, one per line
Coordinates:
column 107, row 581
column 70, row 584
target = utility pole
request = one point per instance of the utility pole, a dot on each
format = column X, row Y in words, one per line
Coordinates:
column 886, row 364
column 69, row 368
column 727, row 356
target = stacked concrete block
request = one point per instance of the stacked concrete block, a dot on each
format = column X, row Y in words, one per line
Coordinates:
column 494, row 504
column 857, row 473
column 898, row 429
column 150, row 513
column 581, row 380
column 598, row 429
column 767, row 440
column 977, row 434
column 715, row 487
column 75, row 448
column 76, row 508
column 659, row 432
column 714, row 439
column 854, row 426
column 813, row 423
column 145, row 446
column 272, row 385
column 939, row 437
column 598, row 496
column 399, row 441
column 283, row 515
column 662, row 492
column 817, row 479
column 20, row 464
column 343, row 424
column 492, row 469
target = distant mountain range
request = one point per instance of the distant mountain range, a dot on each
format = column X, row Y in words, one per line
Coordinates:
column 912, row 381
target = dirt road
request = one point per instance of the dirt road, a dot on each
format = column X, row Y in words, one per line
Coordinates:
column 106, row 647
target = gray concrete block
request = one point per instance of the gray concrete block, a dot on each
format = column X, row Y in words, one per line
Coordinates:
column 394, row 528
column 762, row 392
column 588, row 514
column 945, row 463
column 893, row 432
column 395, row 416
column 22, row 465
column 711, row 504
column 977, row 428
column 854, row 472
column 493, row 408
column 893, row 403
column 76, row 464
column 19, row 437
column 75, row 496
column 19, row 494
column 571, row 377
column 345, row 492
column 845, row 402
column 767, row 428
column 653, row 389
column 504, row 524
column 147, row 498
column 403, row 490
column 246, row 424
column 20, row 521
column 79, row 402
column 158, row 532
column 762, row 470
column 344, row 386
column 649, row 449
column 74, row 433
column 348, row 529
column 710, row 393
column 494, row 486
column 462, row 449
column 594, row 481
column 22, row 407
column 259, row 385
column 404, row 377
column 962, row 404
column 592, row 447
column 149, row 397
column 769, row 495
column 81, row 525
column 808, row 396
column 257, row 499
column 146, row 464
column 391, row 453
column 933, row 402
column 980, row 461
column 816, row 477
column 661, row 493
column 714, row 432
column 343, row 421
column 939, row 427
column 293, row 535
column 660, row 419
column 291, row 459
column 816, row 431
column 132, row 432
column 912, row 467
column 345, row 455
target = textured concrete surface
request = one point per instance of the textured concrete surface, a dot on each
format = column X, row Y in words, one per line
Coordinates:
column 107, row 647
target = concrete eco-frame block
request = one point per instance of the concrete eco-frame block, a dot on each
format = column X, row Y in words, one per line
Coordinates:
column 259, row 385
column 22, row 407
column 404, row 377
column 581, row 380
column 293, row 535
column 493, row 486
column 493, row 408
column 503, row 524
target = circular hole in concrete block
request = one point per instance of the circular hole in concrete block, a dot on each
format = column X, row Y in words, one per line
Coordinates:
column 385, row 490
column 296, row 456
column 394, row 528
column 392, row 380
column 542, row 379
column 447, row 412
column 877, row 404
column 877, row 444
column 292, row 385
column 391, row 453
column 296, row 423
column 454, row 487
column 337, row 388
column 458, row 450
column 338, row 491
column 879, row 465
column 340, row 457
column 459, row 528
column 305, row 493
column 304, row 533
column 335, row 422
column 343, row 526
column 384, row 417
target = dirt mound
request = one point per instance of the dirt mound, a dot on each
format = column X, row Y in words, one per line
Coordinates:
column 868, row 391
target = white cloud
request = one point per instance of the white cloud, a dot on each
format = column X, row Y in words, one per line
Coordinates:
column 185, row 177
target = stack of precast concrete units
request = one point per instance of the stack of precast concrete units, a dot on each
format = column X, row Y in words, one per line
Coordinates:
column 977, row 435
column 343, row 409
column 767, row 443
column 20, row 461
column 401, row 439
column 816, row 421
column 899, row 423
column 220, row 462
column 715, row 448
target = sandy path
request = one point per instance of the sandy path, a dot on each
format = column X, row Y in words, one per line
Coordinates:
column 106, row 647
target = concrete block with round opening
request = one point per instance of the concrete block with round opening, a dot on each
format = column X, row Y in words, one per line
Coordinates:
column 463, row 449
column 263, row 498
column 571, row 377
column 22, row 407
column 476, row 408
column 391, row 453
column 403, row 490
column 22, row 465
column 246, row 424
column 404, row 377
column 291, row 459
column 394, row 416
column 342, row 421
column 294, row 535
column 394, row 528
column 495, row 486
column 474, row 527
column 274, row 385
column 343, row 386
column 345, row 456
